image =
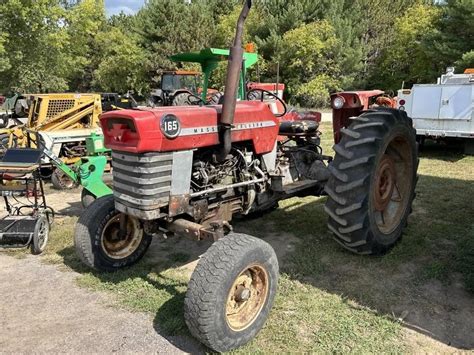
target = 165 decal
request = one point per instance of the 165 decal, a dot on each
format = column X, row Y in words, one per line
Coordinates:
column 170, row 126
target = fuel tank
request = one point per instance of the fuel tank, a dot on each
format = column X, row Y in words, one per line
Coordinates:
column 167, row 129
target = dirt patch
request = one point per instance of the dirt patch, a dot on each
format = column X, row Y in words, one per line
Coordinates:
column 435, row 314
column 429, row 345
column 186, row 252
column 283, row 243
column 64, row 203
column 446, row 313
column 180, row 253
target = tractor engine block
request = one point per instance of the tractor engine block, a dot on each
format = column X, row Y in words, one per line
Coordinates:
column 207, row 172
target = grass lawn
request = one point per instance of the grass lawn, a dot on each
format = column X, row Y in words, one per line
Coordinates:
column 330, row 300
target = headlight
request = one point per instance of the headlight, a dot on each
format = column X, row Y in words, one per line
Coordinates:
column 338, row 102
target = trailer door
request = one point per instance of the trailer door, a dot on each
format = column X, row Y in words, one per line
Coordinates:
column 456, row 102
column 426, row 101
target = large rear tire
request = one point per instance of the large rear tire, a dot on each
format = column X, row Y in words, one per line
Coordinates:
column 373, row 179
column 231, row 292
column 99, row 242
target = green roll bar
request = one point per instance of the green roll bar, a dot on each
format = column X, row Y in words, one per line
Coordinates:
column 209, row 59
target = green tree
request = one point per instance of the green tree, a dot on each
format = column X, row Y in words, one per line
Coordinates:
column 454, row 36
column 33, row 46
column 309, row 63
column 4, row 60
column 168, row 27
column 280, row 16
column 226, row 24
column 406, row 59
column 84, row 22
column 120, row 63
column 467, row 61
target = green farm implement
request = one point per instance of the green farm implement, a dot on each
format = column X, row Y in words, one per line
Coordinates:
column 88, row 171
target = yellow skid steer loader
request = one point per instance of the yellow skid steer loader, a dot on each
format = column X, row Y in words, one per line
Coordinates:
column 63, row 121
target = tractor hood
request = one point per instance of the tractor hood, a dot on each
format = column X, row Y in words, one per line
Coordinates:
column 183, row 128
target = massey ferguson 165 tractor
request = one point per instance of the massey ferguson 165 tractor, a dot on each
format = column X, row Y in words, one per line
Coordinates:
column 189, row 170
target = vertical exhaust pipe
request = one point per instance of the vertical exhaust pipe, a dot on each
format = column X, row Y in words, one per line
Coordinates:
column 234, row 67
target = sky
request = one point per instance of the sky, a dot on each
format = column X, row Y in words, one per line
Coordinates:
column 128, row 6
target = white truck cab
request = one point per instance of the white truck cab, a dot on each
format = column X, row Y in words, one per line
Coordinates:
column 444, row 109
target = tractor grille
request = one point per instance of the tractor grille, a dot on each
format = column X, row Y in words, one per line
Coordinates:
column 142, row 182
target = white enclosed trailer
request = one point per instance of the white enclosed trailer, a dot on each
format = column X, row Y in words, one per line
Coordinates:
column 444, row 109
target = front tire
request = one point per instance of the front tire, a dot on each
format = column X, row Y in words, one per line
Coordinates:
column 231, row 292
column 372, row 183
column 99, row 242
column 87, row 198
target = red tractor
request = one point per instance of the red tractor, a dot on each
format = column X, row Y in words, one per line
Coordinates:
column 189, row 170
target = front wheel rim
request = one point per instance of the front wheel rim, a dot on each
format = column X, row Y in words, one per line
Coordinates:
column 117, row 246
column 246, row 297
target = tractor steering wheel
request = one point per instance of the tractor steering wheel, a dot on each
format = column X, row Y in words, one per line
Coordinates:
column 251, row 96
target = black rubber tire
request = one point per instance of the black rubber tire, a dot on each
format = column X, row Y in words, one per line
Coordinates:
column 4, row 119
column 255, row 95
column 184, row 99
column 352, row 180
column 39, row 242
column 210, row 284
column 4, row 143
column 87, row 198
column 87, row 238
column 59, row 184
column 215, row 99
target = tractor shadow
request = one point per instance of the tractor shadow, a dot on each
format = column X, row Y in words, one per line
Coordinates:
column 66, row 203
column 423, row 282
column 426, row 282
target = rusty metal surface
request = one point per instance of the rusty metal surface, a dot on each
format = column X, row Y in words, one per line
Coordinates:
column 354, row 103
column 246, row 298
column 178, row 205
column 392, row 184
column 385, row 179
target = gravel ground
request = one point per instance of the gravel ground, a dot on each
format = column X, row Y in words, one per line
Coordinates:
column 42, row 310
column 326, row 116
column 44, row 305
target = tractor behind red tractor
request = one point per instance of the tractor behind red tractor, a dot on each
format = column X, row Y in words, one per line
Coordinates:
column 189, row 170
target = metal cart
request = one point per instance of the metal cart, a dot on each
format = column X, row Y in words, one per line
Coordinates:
column 28, row 217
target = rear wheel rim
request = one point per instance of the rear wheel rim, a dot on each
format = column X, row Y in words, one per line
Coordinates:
column 117, row 246
column 392, row 186
column 246, row 298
